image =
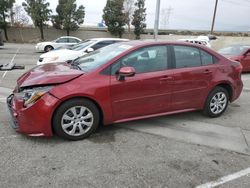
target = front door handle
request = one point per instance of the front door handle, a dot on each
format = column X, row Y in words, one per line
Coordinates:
column 166, row 78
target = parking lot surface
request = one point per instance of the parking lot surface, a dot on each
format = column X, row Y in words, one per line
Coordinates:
column 184, row 150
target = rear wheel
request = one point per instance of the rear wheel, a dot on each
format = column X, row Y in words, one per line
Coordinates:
column 76, row 119
column 48, row 48
column 216, row 102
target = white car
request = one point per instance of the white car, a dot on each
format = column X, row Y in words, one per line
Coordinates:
column 202, row 40
column 63, row 55
column 61, row 41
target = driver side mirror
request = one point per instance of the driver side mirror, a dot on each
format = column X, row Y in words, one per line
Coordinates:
column 89, row 50
column 125, row 72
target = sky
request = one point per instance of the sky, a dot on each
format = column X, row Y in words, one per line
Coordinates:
column 232, row 15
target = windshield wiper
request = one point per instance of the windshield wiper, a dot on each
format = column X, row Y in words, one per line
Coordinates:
column 75, row 66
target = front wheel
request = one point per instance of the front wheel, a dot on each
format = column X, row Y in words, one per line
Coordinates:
column 216, row 102
column 76, row 119
column 48, row 48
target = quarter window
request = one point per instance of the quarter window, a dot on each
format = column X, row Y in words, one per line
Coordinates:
column 186, row 56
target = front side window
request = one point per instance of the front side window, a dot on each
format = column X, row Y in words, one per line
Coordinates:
column 149, row 59
column 186, row 56
column 82, row 45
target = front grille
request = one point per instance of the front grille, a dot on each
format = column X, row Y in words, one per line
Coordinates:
column 14, row 123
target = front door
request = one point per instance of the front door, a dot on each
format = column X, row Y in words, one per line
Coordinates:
column 149, row 91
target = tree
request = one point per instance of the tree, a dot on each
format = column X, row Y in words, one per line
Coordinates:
column 39, row 12
column 20, row 17
column 68, row 16
column 139, row 18
column 128, row 11
column 114, row 17
column 5, row 6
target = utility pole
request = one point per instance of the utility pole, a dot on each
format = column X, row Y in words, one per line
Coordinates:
column 215, row 10
column 157, row 16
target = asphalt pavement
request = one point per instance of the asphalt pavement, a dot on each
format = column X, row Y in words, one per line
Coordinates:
column 184, row 150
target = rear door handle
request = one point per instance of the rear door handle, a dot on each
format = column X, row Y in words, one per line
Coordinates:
column 207, row 71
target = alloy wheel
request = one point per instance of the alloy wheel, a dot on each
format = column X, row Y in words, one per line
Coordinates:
column 77, row 120
column 218, row 103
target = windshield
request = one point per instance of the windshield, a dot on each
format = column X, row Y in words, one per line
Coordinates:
column 233, row 50
column 99, row 57
column 82, row 45
column 55, row 40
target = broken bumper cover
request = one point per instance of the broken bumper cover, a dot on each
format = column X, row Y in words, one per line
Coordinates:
column 34, row 120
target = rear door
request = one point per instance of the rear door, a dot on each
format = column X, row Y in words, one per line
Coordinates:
column 149, row 91
column 192, row 75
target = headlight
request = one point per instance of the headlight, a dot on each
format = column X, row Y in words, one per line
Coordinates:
column 50, row 59
column 30, row 96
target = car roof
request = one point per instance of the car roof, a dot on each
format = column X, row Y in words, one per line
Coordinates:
column 103, row 39
column 145, row 43
column 136, row 43
column 69, row 37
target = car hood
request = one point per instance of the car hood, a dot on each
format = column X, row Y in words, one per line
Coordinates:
column 48, row 74
column 62, row 52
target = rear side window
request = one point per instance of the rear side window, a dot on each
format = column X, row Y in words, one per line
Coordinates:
column 71, row 40
column 62, row 40
column 186, row 56
column 206, row 58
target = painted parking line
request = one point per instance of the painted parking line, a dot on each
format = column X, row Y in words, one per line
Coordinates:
column 3, row 99
column 8, row 137
column 13, row 58
column 4, row 74
column 225, row 179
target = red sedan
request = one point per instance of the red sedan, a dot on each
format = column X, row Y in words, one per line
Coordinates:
column 240, row 53
column 123, row 82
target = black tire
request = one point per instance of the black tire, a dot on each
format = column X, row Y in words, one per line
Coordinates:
column 64, row 108
column 48, row 48
column 210, row 102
